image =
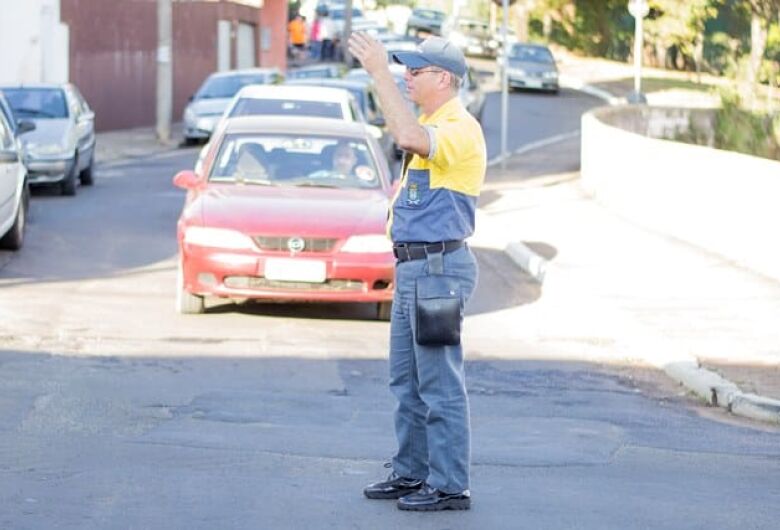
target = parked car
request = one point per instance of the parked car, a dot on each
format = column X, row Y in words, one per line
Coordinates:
column 532, row 66
column 368, row 103
column 424, row 22
column 471, row 94
column 315, row 70
column 473, row 37
column 61, row 149
column 14, row 189
column 286, row 209
column 207, row 105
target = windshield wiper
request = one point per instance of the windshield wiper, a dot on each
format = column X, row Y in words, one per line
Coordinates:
column 316, row 185
column 36, row 112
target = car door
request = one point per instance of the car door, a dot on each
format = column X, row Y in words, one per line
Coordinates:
column 9, row 171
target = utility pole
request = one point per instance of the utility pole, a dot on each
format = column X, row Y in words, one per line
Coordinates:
column 639, row 9
column 164, row 70
column 504, row 85
column 346, row 33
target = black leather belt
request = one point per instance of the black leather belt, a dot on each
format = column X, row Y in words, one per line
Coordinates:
column 409, row 251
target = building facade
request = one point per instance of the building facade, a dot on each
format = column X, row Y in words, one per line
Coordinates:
column 109, row 49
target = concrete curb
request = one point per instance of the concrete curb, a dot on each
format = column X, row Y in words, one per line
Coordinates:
column 709, row 386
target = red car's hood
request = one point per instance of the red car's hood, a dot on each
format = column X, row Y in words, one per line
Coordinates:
column 257, row 210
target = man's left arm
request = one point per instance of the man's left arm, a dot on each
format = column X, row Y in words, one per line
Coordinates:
column 408, row 134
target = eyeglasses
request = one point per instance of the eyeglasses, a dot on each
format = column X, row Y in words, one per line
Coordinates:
column 414, row 72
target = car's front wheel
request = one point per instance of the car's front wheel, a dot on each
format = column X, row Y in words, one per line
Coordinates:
column 186, row 302
column 68, row 185
column 87, row 177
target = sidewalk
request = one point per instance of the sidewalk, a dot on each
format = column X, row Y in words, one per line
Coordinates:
column 116, row 146
column 710, row 325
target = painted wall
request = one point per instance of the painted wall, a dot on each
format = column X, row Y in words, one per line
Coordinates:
column 33, row 42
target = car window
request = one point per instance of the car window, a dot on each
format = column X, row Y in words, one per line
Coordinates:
column 287, row 107
column 295, row 161
column 531, row 54
column 338, row 14
column 227, row 86
column 38, row 103
column 6, row 136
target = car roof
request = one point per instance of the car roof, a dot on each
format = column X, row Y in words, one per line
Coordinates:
column 296, row 124
column 328, row 82
column 300, row 92
column 245, row 71
column 36, row 85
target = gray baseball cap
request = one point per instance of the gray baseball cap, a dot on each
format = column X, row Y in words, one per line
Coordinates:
column 434, row 51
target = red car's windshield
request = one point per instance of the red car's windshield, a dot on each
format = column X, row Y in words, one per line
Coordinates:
column 286, row 160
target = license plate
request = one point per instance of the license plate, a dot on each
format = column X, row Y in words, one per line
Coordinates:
column 475, row 49
column 533, row 83
column 295, row 270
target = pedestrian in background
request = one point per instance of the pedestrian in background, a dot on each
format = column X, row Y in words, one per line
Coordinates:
column 296, row 29
column 326, row 36
column 431, row 215
column 315, row 42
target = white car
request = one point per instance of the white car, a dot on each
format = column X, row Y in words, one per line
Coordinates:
column 14, row 191
column 61, row 149
column 208, row 104
column 292, row 100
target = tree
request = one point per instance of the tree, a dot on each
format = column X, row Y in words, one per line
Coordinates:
column 763, row 12
column 679, row 26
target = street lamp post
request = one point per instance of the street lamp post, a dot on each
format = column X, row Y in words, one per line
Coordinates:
column 639, row 9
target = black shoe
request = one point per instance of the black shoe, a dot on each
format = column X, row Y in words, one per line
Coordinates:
column 392, row 488
column 429, row 499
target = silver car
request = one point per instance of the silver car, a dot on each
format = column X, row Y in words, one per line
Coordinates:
column 14, row 191
column 207, row 105
column 532, row 66
column 61, row 149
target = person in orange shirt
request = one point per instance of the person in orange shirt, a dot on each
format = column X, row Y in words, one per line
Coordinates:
column 297, row 31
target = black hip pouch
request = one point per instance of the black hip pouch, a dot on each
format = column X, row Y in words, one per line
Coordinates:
column 439, row 310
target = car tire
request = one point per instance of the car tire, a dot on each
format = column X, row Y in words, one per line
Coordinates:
column 189, row 142
column 186, row 302
column 87, row 177
column 14, row 238
column 68, row 185
column 384, row 310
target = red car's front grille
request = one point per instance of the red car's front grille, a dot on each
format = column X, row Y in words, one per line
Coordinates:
column 310, row 244
column 257, row 282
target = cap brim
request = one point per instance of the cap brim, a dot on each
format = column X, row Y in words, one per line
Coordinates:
column 411, row 59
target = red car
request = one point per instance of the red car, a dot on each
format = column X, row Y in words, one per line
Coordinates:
column 287, row 208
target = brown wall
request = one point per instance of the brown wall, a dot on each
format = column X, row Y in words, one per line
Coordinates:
column 195, row 44
column 113, row 52
column 113, row 48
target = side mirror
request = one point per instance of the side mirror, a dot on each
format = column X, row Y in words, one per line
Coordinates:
column 186, row 180
column 25, row 126
column 8, row 157
column 375, row 131
column 86, row 117
column 378, row 122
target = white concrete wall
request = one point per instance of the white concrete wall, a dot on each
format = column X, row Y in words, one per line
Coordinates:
column 33, row 42
column 722, row 202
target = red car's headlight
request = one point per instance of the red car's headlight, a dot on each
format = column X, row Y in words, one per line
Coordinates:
column 217, row 238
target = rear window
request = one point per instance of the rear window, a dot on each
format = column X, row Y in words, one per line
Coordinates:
column 286, row 107
column 227, row 86
column 37, row 103
column 531, row 54
column 295, row 161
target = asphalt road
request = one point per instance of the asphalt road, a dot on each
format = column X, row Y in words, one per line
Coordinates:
column 115, row 412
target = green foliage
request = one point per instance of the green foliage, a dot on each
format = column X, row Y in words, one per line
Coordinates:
column 745, row 132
